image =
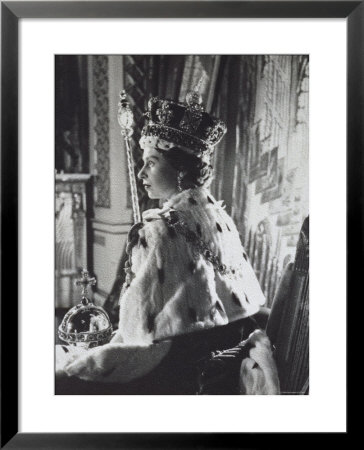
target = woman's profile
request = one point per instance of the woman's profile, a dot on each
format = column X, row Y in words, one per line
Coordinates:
column 190, row 289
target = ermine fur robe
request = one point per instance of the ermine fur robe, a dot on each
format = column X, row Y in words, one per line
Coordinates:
column 176, row 289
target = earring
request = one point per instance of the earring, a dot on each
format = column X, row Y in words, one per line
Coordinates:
column 179, row 181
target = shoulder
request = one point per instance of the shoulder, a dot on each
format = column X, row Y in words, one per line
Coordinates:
column 196, row 208
column 211, row 212
column 155, row 226
column 189, row 204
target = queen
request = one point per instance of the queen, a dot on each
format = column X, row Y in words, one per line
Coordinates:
column 190, row 289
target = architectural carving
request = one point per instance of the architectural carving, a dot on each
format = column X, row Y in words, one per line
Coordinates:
column 101, row 129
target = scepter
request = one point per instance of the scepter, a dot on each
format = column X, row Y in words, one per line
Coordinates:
column 125, row 119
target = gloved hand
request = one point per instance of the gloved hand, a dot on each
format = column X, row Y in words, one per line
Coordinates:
column 258, row 372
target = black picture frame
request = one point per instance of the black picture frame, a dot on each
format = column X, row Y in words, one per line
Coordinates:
column 11, row 12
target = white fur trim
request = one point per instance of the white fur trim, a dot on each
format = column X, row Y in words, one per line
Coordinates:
column 165, row 298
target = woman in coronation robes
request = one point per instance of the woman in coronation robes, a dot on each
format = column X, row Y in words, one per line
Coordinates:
column 190, row 289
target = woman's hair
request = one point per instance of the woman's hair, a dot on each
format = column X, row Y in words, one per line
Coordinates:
column 198, row 172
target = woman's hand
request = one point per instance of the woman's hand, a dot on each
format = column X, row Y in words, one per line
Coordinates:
column 118, row 363
column 258, row 372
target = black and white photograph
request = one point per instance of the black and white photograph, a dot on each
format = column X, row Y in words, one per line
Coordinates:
column 182, row 224
column 181, row 216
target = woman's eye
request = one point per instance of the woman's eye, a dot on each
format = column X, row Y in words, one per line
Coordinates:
column 150, row 164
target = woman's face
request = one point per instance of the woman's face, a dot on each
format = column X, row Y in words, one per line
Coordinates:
column 159, row 177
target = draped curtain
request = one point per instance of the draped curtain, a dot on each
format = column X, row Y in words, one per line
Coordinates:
column 261, row 165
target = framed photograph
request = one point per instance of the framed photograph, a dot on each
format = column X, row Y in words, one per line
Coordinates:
column 108, row 110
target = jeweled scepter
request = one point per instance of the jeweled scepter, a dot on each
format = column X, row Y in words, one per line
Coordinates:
column 125, row 119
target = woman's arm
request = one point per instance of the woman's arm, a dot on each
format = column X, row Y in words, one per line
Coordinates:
column 115, row 363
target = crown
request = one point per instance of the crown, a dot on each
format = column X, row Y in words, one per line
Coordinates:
column 184, row 124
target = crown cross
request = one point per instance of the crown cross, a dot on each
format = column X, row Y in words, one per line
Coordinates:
column 194, row 111
column 85, row 281
column 197, row 88
column 164, row 113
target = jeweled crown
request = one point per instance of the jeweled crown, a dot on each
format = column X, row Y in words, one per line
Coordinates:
column 184, row 124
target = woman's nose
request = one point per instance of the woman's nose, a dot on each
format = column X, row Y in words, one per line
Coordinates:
column 141, row 173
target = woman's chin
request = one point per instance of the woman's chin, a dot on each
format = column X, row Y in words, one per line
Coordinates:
column 151, row 195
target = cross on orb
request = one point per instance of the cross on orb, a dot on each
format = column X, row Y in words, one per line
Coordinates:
column 85, row 282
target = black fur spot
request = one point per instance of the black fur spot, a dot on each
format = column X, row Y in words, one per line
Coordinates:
column 245, row 256
column 161, row 276
column 150, row 322
column 143, row 242
column 192, row 266
column 172, row 232
column 192, row 201
column 198, row 229
column 207, row 254
column 235, row 299
column 190, row 236
column 227, row 226
column 210, row 199
column 192, row 314
column 218, row 226
column 65, row 348
column 246, row 298
column 173, row 218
